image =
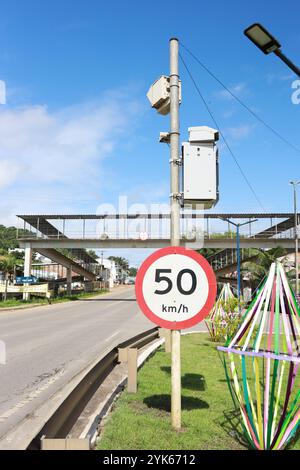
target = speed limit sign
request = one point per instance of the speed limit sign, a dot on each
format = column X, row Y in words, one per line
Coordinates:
column 176, row 288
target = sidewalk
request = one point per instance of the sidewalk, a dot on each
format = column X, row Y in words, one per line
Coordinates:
column 27, row 306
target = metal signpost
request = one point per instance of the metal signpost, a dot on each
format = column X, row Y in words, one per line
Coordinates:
column 176, row 289
column 175, row 220
column 176, row 312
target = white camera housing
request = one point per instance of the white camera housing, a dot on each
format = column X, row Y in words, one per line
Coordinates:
column 159, row 94
column 200, row 167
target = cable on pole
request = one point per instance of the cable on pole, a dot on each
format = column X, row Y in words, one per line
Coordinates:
column 255, row 115
column 222, row 135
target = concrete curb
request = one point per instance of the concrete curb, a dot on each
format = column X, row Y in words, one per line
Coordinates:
column 26, row 307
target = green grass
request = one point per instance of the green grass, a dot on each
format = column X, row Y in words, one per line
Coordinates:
column 209, row 420
column 43, row 301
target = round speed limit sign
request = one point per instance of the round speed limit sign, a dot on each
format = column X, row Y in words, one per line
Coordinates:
column 176, row 288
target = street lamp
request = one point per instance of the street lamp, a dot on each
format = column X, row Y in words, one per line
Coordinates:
column 295, row 184
column 267, row 44
column 237, row 226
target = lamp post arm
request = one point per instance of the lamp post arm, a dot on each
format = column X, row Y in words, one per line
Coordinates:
column 287, row 61
column 229, row 221
column 248, row 222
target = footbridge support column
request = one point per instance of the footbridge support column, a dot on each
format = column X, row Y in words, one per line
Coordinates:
column 27, row 266
column 69, row 281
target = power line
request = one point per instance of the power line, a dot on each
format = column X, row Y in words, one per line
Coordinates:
column 222, row 135
column 262, row 121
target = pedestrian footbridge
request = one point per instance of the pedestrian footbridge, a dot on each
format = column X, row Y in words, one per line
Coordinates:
column 49, row 234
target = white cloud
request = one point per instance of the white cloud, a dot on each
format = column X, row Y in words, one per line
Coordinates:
column 149, row 193
column 46, row 154
column 239, row 132
column 58, row 147
column 2, row 92
column 8, row 172
column 238, row 90
column 271, row 78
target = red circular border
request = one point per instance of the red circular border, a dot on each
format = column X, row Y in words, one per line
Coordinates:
column 212, row 288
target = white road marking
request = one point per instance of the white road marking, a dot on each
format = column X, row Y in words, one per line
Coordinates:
column 111, row 336
column 30, row 397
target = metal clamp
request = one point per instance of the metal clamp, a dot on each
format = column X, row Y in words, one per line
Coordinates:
column 176, row 195
column 177, row 161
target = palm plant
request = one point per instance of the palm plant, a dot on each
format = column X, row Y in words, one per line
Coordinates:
column 259, row 268
column 8, row 265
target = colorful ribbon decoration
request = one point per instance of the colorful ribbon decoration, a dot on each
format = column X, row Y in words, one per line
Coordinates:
column 262, row 361
column 218, row 312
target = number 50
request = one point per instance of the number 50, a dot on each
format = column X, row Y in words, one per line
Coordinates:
column 159, row 278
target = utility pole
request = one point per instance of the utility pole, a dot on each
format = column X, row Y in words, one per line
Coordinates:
column 295, row 184
column 175, row 219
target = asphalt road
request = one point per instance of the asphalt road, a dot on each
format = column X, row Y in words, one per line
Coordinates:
column 48, row 346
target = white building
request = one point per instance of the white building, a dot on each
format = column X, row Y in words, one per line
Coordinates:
column 108, row 271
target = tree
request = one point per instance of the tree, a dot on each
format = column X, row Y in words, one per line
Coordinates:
column 8, row 265
column 93, row 254
column 120, row 261
column 9, row 237
column 259, row 268
column 207, row 252
column 132, row 271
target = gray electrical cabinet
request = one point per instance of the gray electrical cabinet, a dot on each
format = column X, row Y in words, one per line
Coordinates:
column 200, row 167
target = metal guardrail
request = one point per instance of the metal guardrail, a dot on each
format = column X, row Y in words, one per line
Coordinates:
column 66, row 415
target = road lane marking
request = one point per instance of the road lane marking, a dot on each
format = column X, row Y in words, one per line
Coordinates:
column 112, row 336
column 30, row 397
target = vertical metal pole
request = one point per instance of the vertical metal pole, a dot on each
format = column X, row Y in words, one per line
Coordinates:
column 296, row 239
column 238, row 263
column 175, row 219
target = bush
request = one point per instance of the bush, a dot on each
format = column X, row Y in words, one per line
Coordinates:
column 225, row 327
column 227, row 321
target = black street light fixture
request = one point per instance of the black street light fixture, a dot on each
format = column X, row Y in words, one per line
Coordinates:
column 267, row 44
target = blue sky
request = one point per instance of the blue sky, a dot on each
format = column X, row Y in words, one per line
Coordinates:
column 77, row 130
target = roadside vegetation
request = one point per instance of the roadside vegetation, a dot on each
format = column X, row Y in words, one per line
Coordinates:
column 209, row 420
column 34, row 300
